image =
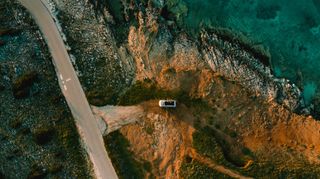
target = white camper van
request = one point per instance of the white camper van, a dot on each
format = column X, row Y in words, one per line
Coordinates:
column 168, row 103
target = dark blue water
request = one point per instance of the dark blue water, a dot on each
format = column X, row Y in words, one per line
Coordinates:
column 289, row 29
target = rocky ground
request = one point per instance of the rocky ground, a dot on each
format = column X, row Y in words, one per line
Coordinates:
column 226, row 134
column 231, row 129
column 37, row 132
column 229, row 115
column 104, row 68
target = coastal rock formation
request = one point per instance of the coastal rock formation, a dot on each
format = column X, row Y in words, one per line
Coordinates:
column 243, row 102
column 154, row 47
column 232, row 62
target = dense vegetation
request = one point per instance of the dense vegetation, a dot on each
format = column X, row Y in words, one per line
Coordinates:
column 126, row 166
column 147, row 90
column 205, row 142
column 143, row 91
column 38, row 136
column 195, row 170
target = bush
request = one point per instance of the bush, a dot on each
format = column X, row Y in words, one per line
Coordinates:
column 122, row 159
column 42, row 135
column 24, row 131
column 147, row 166
column 11, row 32
column 21, row 86
column 142, row 91
column 1, row 175
column 55, row 167
column 101, row 98
column 196, row 170
column 36, row 172
column 205, row 143
column 2, row 87
column 15, row 123
column 149, row 129
column 147, row 90
column 217, row 149
column 231, row 133
column 246, row 151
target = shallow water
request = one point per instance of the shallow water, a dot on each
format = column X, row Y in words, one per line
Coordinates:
column 289, row 29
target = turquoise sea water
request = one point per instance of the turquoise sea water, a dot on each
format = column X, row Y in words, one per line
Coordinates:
column 289, row 29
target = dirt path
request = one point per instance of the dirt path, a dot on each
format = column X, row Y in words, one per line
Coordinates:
column 115, row 117
column 215, row 166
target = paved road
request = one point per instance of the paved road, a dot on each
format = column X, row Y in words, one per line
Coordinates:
column 72, row 90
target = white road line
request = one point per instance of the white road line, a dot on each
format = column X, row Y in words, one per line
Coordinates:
column 69, row 79
column 65, row 87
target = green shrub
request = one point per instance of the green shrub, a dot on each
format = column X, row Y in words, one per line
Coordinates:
column 2, row 175
column 147, row 90
column 24, row 131
column 231, row 133
column 196, row 170
column 125, row 164
column 149, row 129
column 2, row 87
column 99, row 97
column 143, row 91
column 15, row 123
column 55, row 167
column 147, row 166
column 21, row 86
column 42, row 134
column 36, row 172
column 246, row 151
column 205, row 143
column 10, row 31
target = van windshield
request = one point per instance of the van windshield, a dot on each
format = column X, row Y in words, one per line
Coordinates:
column 169, row 103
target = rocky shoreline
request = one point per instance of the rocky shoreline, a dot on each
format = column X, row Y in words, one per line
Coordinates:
column 235, row 64
column 228, row 59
